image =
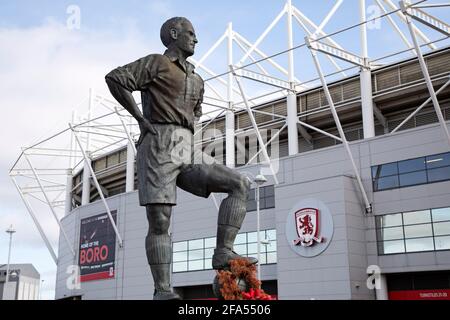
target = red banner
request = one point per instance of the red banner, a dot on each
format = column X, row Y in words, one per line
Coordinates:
column 97, row 276
column 438, row 294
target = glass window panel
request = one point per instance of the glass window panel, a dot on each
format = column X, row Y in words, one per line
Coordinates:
column 441, row 214
column 441, row 229
column 262, row 235
column 241, row 249
column 416, row 245
column 209, row 253
column 386, row 183
column 179, row 266
column 180, row 256
column 272, row 246
column 270, row 191
column 180, row 246
column 395, row 233
column 195, row 254
column 251, row 237
column 271, row 257
column 272, row 234
column 390, row 220
column 421, row 230
column 417, row 217
column 123, row 156
column 251, row 205
column 384, row 170
column 390, row 247
column 262, row 203
column 252, row 248
column 241, row 238
column 251, row 194
column 196, row 265
column 208, row 263
column 262, row 192
column 439, row 174
column 442, row 243
column 210, row 242
column 112, row 159
column 196, row 244
column 414, row 178
column 269, row 202
column 100, row 164
column 439, row 160
column 411, row 165
column 262, row 257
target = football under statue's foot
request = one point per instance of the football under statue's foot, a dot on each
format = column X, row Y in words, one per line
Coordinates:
column 222, row 257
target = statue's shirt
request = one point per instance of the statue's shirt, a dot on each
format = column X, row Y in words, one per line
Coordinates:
column 171, row 92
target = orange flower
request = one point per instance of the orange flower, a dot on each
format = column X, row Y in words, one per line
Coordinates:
column 241, row 269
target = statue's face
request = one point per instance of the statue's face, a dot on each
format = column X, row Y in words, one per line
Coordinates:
column 186, row 39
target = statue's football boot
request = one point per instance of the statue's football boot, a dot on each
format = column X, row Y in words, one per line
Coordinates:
column 165, row 295
column 222, row 257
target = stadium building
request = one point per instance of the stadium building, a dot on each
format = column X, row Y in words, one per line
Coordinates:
column 358, row 208
column 23, row 282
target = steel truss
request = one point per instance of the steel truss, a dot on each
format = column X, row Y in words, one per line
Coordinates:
column 107, row 127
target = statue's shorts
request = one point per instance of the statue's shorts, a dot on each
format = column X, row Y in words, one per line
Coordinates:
column 168, row 159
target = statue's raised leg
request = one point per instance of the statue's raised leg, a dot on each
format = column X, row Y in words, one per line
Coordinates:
column 202, row 179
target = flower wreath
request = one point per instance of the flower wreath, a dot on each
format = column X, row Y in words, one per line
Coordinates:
column 240, row 269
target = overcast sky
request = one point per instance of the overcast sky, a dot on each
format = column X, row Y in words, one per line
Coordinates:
column 48, row 64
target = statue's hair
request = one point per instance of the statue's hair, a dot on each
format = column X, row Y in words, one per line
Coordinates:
column 172, row 23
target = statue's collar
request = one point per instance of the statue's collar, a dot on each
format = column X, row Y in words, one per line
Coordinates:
column 175, row 58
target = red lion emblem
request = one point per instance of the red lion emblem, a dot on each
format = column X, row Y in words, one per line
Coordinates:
column 307, row 223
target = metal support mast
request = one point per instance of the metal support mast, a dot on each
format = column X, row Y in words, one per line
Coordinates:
column 97, row 185
column 229, row 116
column 338, row 123
column 366, row 79
column 406, row 11
column 291, row 97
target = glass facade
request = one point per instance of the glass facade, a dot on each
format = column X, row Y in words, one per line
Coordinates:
column 417, row 231
column 266, row 198
column 196, row 255
column 411, row 172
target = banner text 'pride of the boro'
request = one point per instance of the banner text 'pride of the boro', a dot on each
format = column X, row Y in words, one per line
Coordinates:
column 97, row 251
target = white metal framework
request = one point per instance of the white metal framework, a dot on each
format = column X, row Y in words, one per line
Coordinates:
column 43, row 173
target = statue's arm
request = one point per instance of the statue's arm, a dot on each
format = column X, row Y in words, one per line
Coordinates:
column 125, row 98
column 135, row 76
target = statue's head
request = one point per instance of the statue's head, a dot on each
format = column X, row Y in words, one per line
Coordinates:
column 180, row 33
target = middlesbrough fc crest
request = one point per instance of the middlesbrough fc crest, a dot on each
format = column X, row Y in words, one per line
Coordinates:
column 307, row 226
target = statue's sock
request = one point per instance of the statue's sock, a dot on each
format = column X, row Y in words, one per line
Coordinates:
column 231, row 216
column 159, row 255
column 159, row 249
column 161, row 276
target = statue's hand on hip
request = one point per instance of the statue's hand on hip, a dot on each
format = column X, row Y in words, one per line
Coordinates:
column 146, row 127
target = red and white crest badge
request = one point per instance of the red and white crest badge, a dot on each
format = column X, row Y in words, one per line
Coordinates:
column 307, row 226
